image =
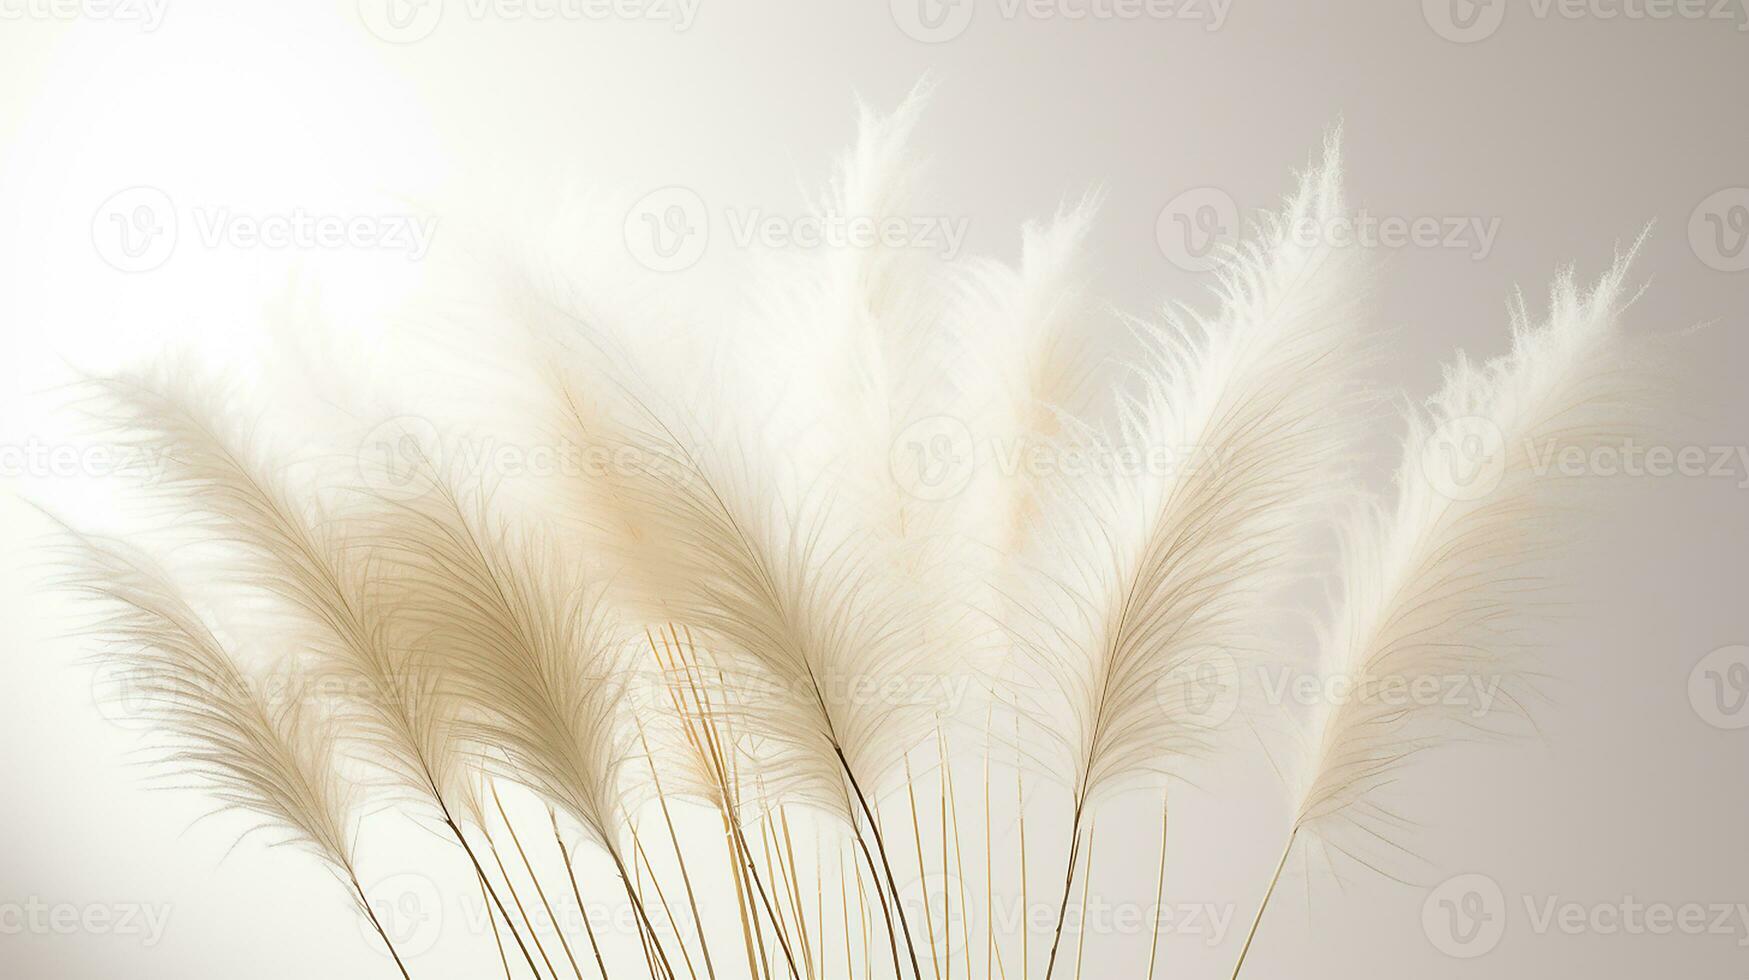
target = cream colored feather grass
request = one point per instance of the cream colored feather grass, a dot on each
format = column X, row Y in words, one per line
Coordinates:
column 293, row 548
column 526, row 644
column 273, row 760
column 743, row 610
column 1443, row 584
column 1162, row 570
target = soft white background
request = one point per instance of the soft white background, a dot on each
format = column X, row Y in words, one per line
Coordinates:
column 1573, row 132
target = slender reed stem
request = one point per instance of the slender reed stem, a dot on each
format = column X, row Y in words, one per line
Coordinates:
column 1086, row 883
column 1068, row 883
column 722, row 775
column 844, row 906
column 1020, row 812
column 460, row 838
column 558, row 928
column 680, row 855
column 662, row 898
column 638, row 905
column 492, row 919
column 533, row 933
column 1264, row 905
column 370, row 913
column 886, row 865
column 577, row 892
column 789, row 854
column 1159, row 889
column 922, row 875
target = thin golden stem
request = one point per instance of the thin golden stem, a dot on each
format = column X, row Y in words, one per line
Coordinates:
column 1264, row 905
column 492, row 919
column 662, row 898
column 922, row 875
column 680, row 855
column 538, row 890
column 370, row 913
column 959, row 854
column 533, row 933
column 1020, row 812
column 577, row 892
column 1159, row 889
column 1086, row 883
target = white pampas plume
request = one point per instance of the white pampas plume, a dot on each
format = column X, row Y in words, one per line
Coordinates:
column 276, row 762
column 295, row 549
column 399, row 717
column 531, row 649
column 1234, row 441
column 808, row 621
column 1027, row 331
column 1440, row 585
